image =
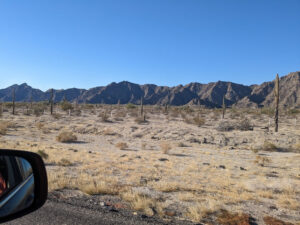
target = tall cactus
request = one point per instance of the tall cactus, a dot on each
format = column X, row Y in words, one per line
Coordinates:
column 276, row 93
column 51, row 102
column 223, row 107
column 142, row 107
column 13, row 101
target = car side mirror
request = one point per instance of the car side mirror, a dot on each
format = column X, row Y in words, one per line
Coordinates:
column 23, row 183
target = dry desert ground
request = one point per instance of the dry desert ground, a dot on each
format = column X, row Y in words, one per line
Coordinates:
column 184, row 162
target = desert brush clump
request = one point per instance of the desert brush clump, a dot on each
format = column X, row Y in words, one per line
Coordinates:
column 122, row 145
column 244, row 125
column 225, row 126
column 165, row 147
column 270, row 147
column 66, row 137
column 104, row 116
column 43, row 154
column 262, row 160
column 65, row 106
column 3, row 129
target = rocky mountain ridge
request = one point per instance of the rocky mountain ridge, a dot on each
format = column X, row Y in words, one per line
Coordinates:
column 208, row 95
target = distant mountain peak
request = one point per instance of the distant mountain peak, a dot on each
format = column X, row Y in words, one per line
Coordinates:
column 209, row 95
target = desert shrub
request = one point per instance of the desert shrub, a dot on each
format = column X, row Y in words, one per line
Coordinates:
column 244, row 125
column 108, row 131
column 187, row 109
column 65, row 106
column 104, row 117
column 120, row 114
column 43, row 154
column 39, row 125
column 76, row 112
column 270, row 147
column 3, row 129
column 130, row 106
column 225, row 126
column 133, row 113
column 165, row 147
column 64, row 162
column 262, row 160
column 296, row 147
column 181, row 144
column 66, row 137
column 1, row 110
column 197, row 120
column 56, row 116
column 141, row 120
column 38, row 110
column 267, row 111
column 122, row 145
column 174, row 113
column 27, row 112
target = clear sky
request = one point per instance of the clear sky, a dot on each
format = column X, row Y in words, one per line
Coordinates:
column 87, row 43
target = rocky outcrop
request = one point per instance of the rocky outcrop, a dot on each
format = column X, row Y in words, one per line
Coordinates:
column 208, row 95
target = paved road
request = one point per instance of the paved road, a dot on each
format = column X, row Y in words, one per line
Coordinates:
column 63, row 213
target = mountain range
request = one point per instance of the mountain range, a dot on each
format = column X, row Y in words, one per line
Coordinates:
column 208, row 95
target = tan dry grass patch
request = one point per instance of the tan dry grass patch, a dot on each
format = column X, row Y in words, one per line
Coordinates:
column 122, row 145
column 66, row 137
column 165, row 147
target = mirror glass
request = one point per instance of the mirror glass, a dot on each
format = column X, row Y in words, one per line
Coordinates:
column 16, row 185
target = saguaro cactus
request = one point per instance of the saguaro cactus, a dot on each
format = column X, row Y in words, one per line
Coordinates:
column 142, row 107
column 13, row 101
column 223, row 107
column 276, row 93
column 51, row 102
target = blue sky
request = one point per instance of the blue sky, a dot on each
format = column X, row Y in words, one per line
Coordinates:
column 72, row 43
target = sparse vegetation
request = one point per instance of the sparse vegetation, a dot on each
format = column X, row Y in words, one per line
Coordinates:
column 122, row 145
column 66, row 137
column 225, row 126
column 43, row 154
column 270, row 147
column 3, row 129
column 130, row 106
column 170, row 169
column 165, row 147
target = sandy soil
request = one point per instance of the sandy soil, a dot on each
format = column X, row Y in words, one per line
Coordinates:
column 169, row 166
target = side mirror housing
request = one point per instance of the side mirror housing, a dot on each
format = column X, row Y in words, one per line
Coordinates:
column 23, row 183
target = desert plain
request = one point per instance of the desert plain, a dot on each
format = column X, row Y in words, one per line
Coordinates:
column 185, row 162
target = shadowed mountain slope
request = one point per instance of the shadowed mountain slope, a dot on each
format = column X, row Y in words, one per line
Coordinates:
column 209, row 95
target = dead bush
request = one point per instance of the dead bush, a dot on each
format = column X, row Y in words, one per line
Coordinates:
column 270, row 147
column 165, row 147
column 3, row 129
column 225, row 126
column 66, row 137
column 262, row 160
column 43, row 154
column 56, row 116
column 104, row 117
column 65, row 106
column 296, row 147
column 141, row 120
column 108, row 131
column 122, row 145
column 64, row 162
column 39, row 125
column 244, row 125
column 197, row 120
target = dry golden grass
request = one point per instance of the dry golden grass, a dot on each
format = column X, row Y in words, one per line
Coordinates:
column 3, row 129
column 165, row 147
column 268, row 146
column 122, row 145
column 66, row 137
column 190, row 180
